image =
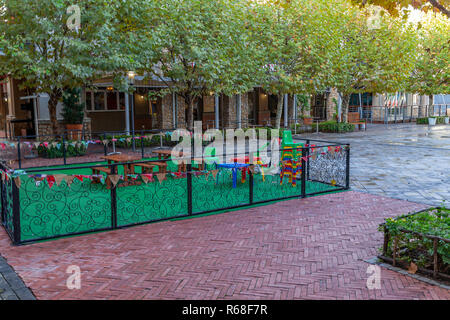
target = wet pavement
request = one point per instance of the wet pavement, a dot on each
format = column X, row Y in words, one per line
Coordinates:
column 403, row 161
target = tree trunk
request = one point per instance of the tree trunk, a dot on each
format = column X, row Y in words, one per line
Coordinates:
column 430, row 105
column 280, row 98
column 190, row 114
column 344, row 106
column 55, row 96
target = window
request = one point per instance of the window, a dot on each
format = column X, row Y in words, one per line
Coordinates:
column 88, row 100
column 111, row 100
column 104, row 100
column 121, row 101
column 99, row 100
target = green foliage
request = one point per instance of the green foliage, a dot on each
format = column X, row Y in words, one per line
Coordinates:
column 196, row 47
column 397, row 7
column 73, row 110
column 47, row 56
column 431, row 74
column 417, row 249
column 439, row 120
column 153, row 142
column 73, row 149
column 333, row 126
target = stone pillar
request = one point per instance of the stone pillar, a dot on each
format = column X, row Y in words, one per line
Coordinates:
column 244, row 109
column 165, row 117
column 331, row 103
column 181, row 113
column 229, row 111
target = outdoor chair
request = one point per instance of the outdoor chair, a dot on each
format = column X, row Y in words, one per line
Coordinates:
column 290, row 165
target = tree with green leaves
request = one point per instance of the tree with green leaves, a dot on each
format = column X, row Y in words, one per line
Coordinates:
column 371, row 58
column 197, row 47
column 52, row 45
column 295, row 39
column 395, row 7
column 431, row 73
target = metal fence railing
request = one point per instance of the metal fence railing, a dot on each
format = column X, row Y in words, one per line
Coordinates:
column 400, row 114
column 50, row 202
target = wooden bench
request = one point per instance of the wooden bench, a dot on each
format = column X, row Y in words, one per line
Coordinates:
column 353, row 118
column 97, row 171
column 150, row 166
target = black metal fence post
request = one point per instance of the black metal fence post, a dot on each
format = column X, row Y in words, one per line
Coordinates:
column 189, row 186
column 105, row 145
column 250, row 176
column 303, row 173
column 16, row 213
column 64, row 149
column 308, row 144
column 2, row 200
column 142, row 144
column 19, row 156
column 113, row 200
column 347, row 168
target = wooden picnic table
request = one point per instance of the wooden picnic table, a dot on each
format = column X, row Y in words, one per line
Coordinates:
column 166, row 153
column 128, row 168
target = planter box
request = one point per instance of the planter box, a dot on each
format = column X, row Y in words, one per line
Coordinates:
column 446, row 120
column 429, row 252
column 432, row 121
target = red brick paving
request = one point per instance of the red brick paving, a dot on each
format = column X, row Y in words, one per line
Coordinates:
column 300, row 249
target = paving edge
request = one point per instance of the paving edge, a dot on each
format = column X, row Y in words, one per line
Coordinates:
column 378, row 262
column 15, row 283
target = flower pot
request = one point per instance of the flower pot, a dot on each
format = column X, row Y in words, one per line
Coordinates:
column 446, row 120
column 432, row 121
column 307, row 121
column 74, row 131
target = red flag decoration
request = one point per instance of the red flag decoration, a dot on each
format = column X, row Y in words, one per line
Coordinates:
column 147, row 177
column 51, row 181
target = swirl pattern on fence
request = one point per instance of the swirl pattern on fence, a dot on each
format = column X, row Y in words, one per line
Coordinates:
column 62, row 210
column 209, row 193
column 7, row 205
column 329, row 169
column 152, row 201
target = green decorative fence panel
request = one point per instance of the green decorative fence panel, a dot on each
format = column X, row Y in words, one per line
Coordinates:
column 214, row 193
column 62, row 210
column 152, row 201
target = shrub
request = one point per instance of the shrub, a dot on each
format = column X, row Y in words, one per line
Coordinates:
column 72, row 150
column 155, row 141
column 333, row 126
column 439, row 120
column 417, row 249
column 73, row 110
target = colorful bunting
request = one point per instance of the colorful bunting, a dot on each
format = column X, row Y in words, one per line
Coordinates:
column 114, row 179
column 59, row 178
column 161, row 177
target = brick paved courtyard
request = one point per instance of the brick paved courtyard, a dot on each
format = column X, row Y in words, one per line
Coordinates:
column 299, row 249
column 403, row 161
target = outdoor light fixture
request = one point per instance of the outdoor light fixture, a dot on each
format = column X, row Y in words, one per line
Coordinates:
column 110, row 88
column 131, row 75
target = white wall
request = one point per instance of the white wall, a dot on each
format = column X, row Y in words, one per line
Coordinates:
column 43, row 107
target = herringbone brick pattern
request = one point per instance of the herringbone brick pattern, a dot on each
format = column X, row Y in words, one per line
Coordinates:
column 299, row 249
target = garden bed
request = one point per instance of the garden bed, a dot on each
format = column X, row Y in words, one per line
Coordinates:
column 419, row 242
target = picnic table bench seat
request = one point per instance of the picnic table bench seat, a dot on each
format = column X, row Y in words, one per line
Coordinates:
column 353, row 118
column 97, row 170
column 150, row 166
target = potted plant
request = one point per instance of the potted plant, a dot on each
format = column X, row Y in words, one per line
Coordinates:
column 446, row 118
column 73, row 113
column 431, row 121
